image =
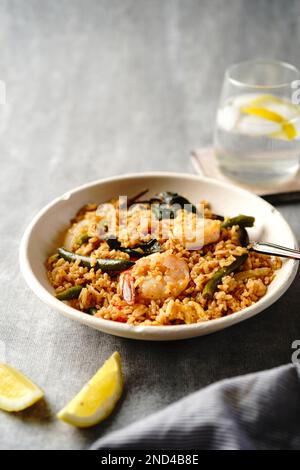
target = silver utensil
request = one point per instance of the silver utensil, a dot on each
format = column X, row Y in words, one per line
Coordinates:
column 275, row 250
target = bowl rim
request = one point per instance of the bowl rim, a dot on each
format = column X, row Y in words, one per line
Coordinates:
column 121, row 329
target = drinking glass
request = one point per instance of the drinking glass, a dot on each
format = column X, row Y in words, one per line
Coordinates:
column 257, row 133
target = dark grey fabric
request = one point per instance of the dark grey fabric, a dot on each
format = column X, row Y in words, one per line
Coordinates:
column 255, row 411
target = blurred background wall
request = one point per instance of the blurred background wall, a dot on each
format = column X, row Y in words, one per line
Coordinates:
column 124, row 85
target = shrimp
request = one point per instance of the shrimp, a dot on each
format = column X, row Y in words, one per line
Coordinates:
column 155, row 277
column 195, row 232
column 126, row 287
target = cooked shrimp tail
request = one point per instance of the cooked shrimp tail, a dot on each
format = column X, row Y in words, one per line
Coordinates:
column 127, row 289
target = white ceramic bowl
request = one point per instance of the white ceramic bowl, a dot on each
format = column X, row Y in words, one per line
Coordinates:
column 43, row 234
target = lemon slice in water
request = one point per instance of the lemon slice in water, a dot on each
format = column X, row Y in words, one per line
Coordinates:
column 262, row 108
column 99, row 396
column 17, row 392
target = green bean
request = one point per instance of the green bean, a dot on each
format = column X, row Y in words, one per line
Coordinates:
column 82, row 239
column 91, row 311
column 69, row 294
column 217, row 277
column 241, row 220
column 243, row 236
column 138, row 251
column 217, row 217
column 106, row 265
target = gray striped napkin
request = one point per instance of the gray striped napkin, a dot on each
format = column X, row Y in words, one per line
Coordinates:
column 255, row 411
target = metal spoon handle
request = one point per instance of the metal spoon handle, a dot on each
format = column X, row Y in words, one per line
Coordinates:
column 275, row 250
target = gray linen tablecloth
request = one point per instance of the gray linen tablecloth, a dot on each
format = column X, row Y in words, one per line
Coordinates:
column 253, row 412
column 103, row 87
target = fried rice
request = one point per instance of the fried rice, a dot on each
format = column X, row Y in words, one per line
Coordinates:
column 170, row 300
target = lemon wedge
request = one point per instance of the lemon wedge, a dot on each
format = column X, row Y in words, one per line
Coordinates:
column 260, row 107
column 17, row 392
column 99, row 396
column 267, row 100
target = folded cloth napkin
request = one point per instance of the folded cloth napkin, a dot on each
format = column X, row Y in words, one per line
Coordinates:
column 205, row 163
column 255, row 411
